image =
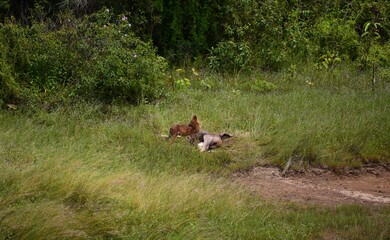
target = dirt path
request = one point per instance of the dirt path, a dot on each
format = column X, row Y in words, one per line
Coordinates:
column 370, row 186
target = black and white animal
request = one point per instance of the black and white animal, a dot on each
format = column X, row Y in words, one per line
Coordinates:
column 209, row 141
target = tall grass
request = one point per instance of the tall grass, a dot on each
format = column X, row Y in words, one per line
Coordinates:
column 314, row 117
column 98, row 171
column 64, row 176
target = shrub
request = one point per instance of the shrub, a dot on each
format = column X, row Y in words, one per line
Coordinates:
column 13, row 60
column 229, row 56
column 120, row 65
column 337, row 36
column 9, row 89
column 49, row 59
column 95, row 57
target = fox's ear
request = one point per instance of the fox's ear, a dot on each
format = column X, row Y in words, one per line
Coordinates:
column 194, row 117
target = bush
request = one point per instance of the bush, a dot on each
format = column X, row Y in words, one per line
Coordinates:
column 12, row 60
column 337, row 36
column 121, row 66
column 229, row 56
column 9, row 89
column 95, row 57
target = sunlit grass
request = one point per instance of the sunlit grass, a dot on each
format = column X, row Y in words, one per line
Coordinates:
column 54, row 198
column 99, row 171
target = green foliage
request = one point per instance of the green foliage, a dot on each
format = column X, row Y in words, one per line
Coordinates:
column 9, row 89
column 49, row 66
column 186, row 29
column 181, row 30
column 328, row 61
column 278, row 33
column 96, row 57
column 370, row 49
column 120, row 65
column 384, row 55
column 337, row 36
column 229, row 57
column 13, row 60
column 180, row 81
column 260, row 27
column 281, row 33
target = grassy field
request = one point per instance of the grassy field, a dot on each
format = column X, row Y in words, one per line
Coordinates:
column 104, row 172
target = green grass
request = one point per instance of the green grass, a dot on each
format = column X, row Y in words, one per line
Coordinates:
column 98, row 171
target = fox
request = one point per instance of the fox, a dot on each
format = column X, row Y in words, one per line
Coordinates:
column 189, row 130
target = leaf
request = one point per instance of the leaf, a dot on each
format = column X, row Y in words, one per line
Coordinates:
column 366, row 26
column 376, row 25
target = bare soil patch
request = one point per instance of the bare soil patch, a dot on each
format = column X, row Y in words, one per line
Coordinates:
column 369, row 186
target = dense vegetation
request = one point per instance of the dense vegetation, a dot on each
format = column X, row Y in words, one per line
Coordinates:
column 97, row 56
column 108, row 50
column 88, row 87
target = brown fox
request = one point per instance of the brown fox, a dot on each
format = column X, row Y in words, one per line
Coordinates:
column 185, row 130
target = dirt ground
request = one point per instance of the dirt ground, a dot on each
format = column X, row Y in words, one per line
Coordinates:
column 369, row 186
